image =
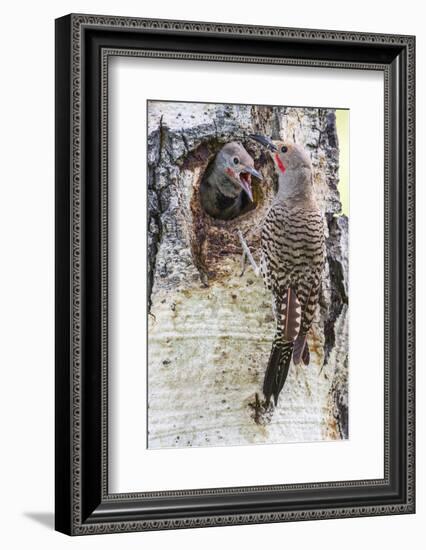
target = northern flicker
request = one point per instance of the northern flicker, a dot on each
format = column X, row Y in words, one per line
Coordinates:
column 225, row 190
column 292, row 260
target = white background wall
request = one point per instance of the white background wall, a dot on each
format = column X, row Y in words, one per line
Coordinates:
column 27, row 244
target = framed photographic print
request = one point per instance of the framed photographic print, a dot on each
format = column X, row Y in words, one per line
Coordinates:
column 234, row 274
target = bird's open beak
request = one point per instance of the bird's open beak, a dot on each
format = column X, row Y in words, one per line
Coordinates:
column 245, row 179
column 265, row 141
column 253, row 172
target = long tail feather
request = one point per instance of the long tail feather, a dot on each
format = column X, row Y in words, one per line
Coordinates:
column 301, row 350
column 277, row 370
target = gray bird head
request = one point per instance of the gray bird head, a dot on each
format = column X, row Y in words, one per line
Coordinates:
column 292, row 164
column 235, row 166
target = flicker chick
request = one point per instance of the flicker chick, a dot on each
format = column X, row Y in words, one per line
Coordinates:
column 225, row 190
column 292, row 260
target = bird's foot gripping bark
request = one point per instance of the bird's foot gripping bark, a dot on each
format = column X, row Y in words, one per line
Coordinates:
column 247, row 254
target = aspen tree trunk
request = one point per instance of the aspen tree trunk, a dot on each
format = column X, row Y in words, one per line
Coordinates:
column 210, row 329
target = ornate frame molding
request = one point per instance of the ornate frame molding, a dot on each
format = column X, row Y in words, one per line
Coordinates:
column 85, row 507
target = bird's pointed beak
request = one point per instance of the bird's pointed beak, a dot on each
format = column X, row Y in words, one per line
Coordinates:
column 245, row 180
column 253, row 172
column 265, row 141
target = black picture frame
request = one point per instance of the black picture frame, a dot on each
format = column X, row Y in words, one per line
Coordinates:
column 83, row 45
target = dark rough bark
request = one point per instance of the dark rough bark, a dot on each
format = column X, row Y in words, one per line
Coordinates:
column 211, row 330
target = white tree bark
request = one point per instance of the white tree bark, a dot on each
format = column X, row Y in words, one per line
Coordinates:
column 210, row 329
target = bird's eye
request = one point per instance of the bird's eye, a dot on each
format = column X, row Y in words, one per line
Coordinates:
column 284, row 149
column 236, row 160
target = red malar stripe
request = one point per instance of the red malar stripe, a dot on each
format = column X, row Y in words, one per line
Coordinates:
column 279, row 163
